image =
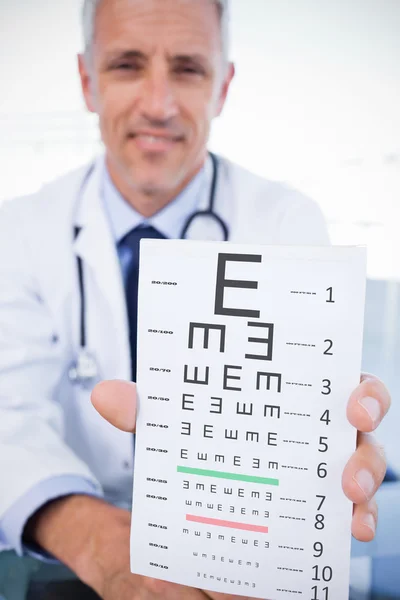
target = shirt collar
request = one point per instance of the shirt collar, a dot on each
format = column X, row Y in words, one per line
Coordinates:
column 169, row 221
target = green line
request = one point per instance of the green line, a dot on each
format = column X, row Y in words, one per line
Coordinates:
column 234, row 476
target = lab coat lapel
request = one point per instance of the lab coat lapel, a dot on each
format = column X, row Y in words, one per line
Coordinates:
column 96, row 247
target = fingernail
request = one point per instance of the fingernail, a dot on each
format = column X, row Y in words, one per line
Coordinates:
column 369, row 521
column 373, row 408
column 365, row 482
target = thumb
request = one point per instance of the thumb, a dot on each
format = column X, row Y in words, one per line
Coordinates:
column 115, row 401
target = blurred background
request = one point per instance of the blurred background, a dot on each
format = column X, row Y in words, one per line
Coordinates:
column 315, row 103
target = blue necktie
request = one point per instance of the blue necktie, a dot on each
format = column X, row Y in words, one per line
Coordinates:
column 132, row 241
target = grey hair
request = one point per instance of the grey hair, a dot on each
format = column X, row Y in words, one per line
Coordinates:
column 89, row 16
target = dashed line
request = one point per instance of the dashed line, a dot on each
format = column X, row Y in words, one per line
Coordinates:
column 297, row 414
column 291, row 518
column 287, row 569
column 297, row 468
column 288, row 591
column 303, row 345
column 294, row 442
column 293, row 500
column 305, row 293
column 291, row 548
column 299, row 384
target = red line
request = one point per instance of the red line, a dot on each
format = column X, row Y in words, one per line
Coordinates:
column 231, row 524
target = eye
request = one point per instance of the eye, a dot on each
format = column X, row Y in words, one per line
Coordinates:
column 189, row 70
column 127, row 67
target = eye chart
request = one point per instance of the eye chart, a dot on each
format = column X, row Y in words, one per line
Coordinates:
column 247, row 357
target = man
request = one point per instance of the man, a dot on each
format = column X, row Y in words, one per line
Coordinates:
column 156, row 73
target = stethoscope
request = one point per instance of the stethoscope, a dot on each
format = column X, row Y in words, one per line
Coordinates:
column 84, row 370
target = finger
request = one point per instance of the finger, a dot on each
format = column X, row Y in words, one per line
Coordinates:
column 365, row 470
column 365, row 518
column 116, row 402
column 368, row 404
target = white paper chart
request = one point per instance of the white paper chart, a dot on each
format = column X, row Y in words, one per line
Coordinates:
column 247, row 356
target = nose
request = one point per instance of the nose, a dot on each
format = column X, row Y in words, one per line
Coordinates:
column 158, row 98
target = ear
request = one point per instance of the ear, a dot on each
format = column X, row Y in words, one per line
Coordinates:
column 225, row 88
column 86, row 83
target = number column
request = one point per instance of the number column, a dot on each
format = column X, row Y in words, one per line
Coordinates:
column 321, row 573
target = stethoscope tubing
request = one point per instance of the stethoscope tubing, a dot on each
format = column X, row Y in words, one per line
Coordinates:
column 209, row 212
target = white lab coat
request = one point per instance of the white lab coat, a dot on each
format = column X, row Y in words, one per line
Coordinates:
column 48, row 427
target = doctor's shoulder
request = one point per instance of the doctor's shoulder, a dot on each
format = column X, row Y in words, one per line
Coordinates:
column 273, row 212
column 44, row 217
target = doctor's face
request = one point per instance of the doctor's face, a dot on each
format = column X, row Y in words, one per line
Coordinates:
column 156, row 77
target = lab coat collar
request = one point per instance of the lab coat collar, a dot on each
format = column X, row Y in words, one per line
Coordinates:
column 169, row 221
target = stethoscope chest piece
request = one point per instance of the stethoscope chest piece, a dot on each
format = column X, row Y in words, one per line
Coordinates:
column 84, row 371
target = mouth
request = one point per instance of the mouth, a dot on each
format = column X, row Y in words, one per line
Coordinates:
column 152, row 142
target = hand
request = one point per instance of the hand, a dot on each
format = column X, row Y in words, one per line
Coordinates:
column 91, row 537
column 113, row 580
column 106, row 568
column 366, row 469
column 363, row 474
